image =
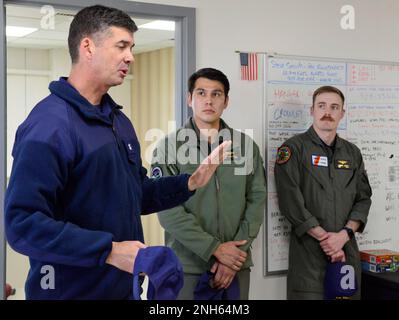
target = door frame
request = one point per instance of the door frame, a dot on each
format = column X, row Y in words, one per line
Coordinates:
column 185, row 57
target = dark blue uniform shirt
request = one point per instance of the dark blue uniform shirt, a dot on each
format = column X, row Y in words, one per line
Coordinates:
column 77, row 184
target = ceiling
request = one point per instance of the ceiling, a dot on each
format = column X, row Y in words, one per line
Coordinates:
column 49, row 37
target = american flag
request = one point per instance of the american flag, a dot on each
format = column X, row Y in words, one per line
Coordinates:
column 249, row 66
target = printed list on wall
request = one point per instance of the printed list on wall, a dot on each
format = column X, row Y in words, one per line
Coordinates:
column 371, row 122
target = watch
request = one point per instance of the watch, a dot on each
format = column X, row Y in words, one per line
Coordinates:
column 349, row 231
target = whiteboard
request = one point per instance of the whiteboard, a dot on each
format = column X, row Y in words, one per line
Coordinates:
column 371, row 122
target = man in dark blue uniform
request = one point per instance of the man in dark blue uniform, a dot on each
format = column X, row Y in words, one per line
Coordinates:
column 77, row 187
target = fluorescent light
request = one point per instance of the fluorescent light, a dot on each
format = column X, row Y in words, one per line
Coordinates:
column 12, row 31
column 159, row 25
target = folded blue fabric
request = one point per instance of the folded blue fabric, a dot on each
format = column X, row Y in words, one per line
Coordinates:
column 164, row 271
column 204, row 290
column 340, row 281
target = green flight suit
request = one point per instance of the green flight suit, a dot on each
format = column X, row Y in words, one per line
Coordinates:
column 230, row 207
column 315, row 189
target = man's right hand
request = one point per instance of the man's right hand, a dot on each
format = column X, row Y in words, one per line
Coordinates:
column 223, row 275
column 228, row 254
column 338, row 256
column 123, row 254
column 204, row 172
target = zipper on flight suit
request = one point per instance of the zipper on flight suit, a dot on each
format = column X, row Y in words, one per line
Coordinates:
column 217, row 205
column 217, row 198
column 331, row 173
column 217, row 193
column 334, row 194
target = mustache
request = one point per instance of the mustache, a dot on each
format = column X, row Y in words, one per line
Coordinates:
column 327, row 118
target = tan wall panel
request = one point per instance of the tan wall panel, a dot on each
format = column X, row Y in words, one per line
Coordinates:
column 152, row 107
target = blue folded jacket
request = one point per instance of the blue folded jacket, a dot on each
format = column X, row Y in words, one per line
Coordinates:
column 204, row 290
column 164, row 271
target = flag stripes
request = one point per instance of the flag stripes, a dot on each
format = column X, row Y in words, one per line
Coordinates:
column 249, row 66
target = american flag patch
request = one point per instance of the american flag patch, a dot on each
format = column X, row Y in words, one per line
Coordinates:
column 319, row 161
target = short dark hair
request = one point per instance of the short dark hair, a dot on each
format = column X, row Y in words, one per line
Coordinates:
column 92, row 20
column 211, row 74
column 325, row 89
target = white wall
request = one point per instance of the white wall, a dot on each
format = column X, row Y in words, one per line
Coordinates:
column 298, row 27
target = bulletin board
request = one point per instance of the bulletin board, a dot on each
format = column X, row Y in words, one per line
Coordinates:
column 371, row 122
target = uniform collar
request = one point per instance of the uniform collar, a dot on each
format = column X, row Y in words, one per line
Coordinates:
column 316, row 139
column 190, row 124
column 63, row 89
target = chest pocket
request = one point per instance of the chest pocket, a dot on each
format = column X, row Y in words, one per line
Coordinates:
column 345, row 177
column 344, row 172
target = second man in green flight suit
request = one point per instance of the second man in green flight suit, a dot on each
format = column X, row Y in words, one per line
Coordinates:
column 213, row 231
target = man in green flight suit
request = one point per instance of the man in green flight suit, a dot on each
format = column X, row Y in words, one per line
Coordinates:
column 213, row 231
column 324, row 192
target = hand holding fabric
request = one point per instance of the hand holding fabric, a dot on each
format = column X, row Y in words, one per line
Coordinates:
column 334, row 242
column 123, row 254
column 223, row 276
column 338, row 257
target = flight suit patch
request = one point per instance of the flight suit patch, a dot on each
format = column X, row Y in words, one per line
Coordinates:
column 283, row 154
column 319, row 161
column 343, row 164
column 156, row 173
